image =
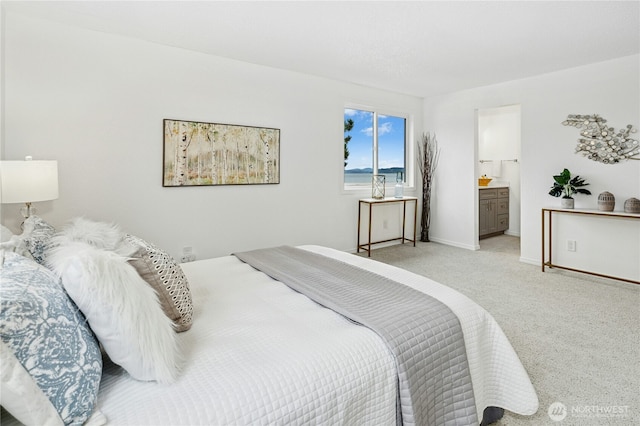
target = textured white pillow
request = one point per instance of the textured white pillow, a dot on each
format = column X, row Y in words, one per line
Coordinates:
column 165, row 276
column 122, row 309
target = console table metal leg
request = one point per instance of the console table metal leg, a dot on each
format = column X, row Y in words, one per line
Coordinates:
column 549, row 242
column 543, row 252
column 359, row 217
column 404, row 219
column 415, row 220
column 370, row 220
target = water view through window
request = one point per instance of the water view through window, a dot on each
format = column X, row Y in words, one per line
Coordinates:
column 368, row 133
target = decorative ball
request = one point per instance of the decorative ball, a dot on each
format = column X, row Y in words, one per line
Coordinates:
column 606, row 202
column 632, row 205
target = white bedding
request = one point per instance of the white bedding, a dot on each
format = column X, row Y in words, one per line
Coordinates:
column 259, row 353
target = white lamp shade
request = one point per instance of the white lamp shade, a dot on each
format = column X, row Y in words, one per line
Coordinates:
column 28, row 181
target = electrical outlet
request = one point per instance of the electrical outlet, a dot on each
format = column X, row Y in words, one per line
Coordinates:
column 571, row 245
column 187, row 255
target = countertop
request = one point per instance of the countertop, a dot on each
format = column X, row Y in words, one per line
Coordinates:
column 490, row 186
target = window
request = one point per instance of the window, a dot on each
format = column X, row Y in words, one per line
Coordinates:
column 374, row 144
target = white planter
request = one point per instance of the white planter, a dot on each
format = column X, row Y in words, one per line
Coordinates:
column 567, row 203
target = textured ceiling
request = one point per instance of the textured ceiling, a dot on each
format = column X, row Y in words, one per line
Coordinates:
column 422, row 48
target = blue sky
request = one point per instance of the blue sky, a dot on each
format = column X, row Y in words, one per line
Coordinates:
column 390, row 140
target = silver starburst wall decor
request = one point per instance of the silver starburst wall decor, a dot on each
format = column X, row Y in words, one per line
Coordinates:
column 604, row 144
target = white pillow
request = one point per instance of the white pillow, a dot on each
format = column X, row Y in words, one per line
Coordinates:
column 17, row 245
column 122, row 309
column 5, row 234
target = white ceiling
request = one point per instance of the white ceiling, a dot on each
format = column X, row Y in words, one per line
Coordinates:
column 420, row 48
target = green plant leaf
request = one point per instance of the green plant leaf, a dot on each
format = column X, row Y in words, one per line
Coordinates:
column 583, row 191
column 556, row 190
column 566, row 186
column 559, row 179
column 578, row 181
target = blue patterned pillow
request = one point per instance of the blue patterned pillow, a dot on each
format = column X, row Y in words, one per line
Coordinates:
column 36, row 235
column 50, row 337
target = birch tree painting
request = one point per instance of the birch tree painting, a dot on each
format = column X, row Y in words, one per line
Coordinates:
column 219, row 154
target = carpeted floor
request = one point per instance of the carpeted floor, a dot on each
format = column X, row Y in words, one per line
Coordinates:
column 578, row 336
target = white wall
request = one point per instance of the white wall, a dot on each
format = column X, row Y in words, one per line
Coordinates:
column 95, row 102
column 610, row 89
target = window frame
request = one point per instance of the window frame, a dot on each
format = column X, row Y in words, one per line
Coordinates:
column 409, row 148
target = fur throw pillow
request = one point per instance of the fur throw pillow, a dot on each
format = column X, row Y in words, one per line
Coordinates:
column 154, row 265
column 121, row 308
column 103, row 235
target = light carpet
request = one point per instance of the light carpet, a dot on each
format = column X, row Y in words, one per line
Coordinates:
column 578, row 336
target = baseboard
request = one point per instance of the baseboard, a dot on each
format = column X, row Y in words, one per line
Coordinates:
column 530, row 261
column 513, row 234
column 455, row 244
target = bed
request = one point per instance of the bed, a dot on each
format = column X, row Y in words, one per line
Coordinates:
column 260, row 353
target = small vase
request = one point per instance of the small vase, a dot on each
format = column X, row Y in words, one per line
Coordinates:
column 606, row 201
column 377, row 187
column 567, row 203
column 632, row 205
column 399, row 189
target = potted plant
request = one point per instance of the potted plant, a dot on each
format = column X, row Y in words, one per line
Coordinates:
column 566, row 186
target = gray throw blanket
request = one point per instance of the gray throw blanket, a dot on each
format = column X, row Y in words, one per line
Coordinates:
column 423, row 334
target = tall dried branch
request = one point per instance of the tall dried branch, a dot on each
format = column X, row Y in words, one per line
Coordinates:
column 428, row 156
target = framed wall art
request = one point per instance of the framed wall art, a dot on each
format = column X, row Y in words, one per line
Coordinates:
column 202, row 154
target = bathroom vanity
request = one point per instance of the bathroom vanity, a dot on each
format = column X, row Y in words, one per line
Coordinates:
column 493, row 211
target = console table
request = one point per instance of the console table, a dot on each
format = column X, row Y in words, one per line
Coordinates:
column 370, row 202
column 548, row 213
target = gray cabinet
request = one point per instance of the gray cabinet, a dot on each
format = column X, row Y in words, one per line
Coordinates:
column 494, row 211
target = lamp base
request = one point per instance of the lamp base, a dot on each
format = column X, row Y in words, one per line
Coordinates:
column 27, row 211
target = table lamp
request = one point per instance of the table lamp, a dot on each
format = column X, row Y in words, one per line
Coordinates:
column 27, row 182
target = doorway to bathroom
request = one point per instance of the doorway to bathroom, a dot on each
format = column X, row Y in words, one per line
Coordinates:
column 499, row 137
